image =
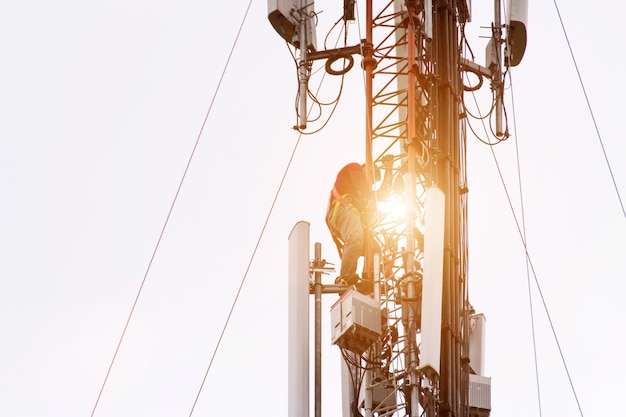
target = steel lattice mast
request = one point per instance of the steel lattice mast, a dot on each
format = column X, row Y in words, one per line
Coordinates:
column 413, row 90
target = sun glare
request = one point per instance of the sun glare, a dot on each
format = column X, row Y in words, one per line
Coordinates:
column 393, row 210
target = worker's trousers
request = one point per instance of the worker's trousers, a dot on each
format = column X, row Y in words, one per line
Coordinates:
column 350, row 228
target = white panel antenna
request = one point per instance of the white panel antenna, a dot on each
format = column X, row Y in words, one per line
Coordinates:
column 286, row 16
column 298, row 321
column 516, row 35
column 432, row 284
column 280, row 14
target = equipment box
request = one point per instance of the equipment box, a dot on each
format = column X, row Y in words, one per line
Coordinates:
column 355, row 320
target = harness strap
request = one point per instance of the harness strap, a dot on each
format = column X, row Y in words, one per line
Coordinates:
column 344, row 200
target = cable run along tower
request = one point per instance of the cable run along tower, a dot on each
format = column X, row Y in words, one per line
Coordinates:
column 415, row 346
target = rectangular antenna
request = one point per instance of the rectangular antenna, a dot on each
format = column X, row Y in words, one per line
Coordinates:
column 298, row 321
column 432, row 284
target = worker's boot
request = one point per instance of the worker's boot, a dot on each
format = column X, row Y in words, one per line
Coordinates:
column 366, row 285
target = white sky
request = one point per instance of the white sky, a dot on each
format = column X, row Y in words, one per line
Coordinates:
column 100, row 105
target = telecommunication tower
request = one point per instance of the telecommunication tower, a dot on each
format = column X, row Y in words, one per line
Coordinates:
column 415, row 346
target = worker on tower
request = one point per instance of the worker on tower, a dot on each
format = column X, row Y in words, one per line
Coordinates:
column 350, row 204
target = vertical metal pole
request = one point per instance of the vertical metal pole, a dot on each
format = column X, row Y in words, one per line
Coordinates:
column 376, row 258
column 368, row 398
column 368, row 392
column 499, row 86
column 369, row 63
column 447, row 140
column 303, row 75
column 318, row 329
column 347, row 387
column 410, row 218
column 447, row 178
